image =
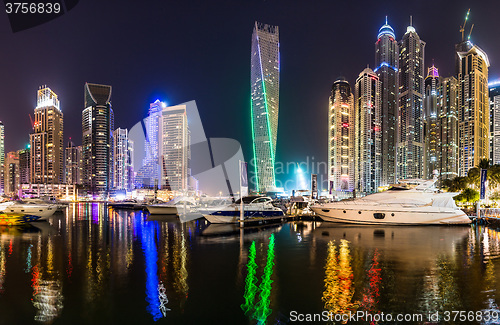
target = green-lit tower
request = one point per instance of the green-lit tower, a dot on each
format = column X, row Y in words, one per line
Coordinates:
column 265, row 82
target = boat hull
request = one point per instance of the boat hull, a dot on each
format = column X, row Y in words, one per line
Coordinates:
column 159, row 209
column 43, row 212
column 234, row 216
column 392, row 216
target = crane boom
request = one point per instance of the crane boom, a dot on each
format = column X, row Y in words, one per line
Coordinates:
column 468, row 38
column 462, row 28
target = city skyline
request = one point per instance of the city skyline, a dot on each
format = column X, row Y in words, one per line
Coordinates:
column 305, row 114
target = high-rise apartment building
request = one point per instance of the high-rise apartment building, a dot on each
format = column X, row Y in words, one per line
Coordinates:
column 431, row 128
column 97, row 138
column 447, row 111
column 473, row 105
column 46, row 141
column 24, row 165
column 73, row 168
column 149, row 174
column 174, row 148
column 341, row 138
column 440, row 126
column 386, row 67
column 265, row 82
column 11, row 173
column 494, row 93
column 368, row 132
column 123, row 176
column 410, row 158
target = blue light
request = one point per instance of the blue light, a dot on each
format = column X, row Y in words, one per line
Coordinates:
column 385, row 64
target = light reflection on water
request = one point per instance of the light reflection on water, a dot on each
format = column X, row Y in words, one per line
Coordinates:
column 97, row 265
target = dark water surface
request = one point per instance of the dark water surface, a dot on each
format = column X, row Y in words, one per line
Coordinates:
column 94, row 265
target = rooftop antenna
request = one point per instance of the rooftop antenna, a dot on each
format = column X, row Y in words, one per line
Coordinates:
column 462, row 28
column 468, row 38
column 386, row 19
column 411, row 20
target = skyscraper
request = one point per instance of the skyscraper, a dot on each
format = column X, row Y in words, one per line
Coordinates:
column 2, row 157
column 386, row 67
column 431, row 128
column 11, row 173
column 174, row 148
column 473, row 105
column 150, row 170
column 341, row 138
column 97, row 138
column 123, row 156
column 265, row 82
column 494, row 89
column 368, row 146
column 24, row 165
column 73, row 168
column 410, row 159
column 447, row 127
column 46, row 141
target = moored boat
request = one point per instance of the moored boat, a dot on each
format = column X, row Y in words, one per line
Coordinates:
column 254, row 207
column 42, row 211
column 421, row 205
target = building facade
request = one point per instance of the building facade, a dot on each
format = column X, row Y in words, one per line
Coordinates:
column 264, row 82
column 149, row 174
column 494, row 93
column 73, row 168
column 46, row 141
column 431, row 128
column 410, row 158
column 123, row 175
column 447, row 127
column 174, row 148
column 11, row 173
column 473, row 105
column 24, row 165
column 386, row 67
column 97, row 139
column 368, row 132
column 341, row 139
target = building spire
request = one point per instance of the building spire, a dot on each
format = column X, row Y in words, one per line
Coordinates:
column 411, row 20
column 386, row 20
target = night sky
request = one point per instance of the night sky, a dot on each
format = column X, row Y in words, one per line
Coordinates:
column 178, row 51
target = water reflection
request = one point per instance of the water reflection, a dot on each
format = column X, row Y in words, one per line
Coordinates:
column 96, row 265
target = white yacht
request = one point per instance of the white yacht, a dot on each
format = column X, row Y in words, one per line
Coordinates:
column 254, row 207
column 175, row 206
column 43, row 211
column 420, row 205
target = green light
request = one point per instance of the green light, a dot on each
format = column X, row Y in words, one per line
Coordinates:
column 251, row 281
column 268, row 124
column 262, row 310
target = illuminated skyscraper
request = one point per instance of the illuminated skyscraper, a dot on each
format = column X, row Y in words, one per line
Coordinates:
column 123, row 160
column 2, row 157
column 494, row 88
column 46, row 141
column 150, row 170
column 410, row 159
column 431, row 128
column 447, row 110
column 386, row 67
column 11, row 173
column 368, row 149
column 73, row 168
column 265, row 82
column 473, row 105
column 174, row 148
column 97, row 138
column 24, row 165
column 341, row 138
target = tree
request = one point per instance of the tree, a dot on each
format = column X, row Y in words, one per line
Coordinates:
column 468, row 195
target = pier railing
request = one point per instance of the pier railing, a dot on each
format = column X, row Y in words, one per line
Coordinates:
column 489, row 213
